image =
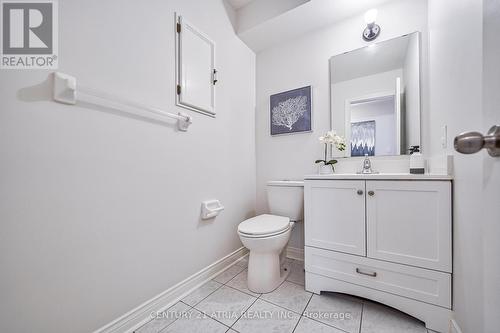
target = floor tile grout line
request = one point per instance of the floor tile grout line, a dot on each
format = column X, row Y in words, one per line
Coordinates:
column 260, row 295
column 282, row 307
column 309, row 301
column 171, row 306
column 243, row 268
column 176, row 319
column 221, row 285
column 361, row 316
column 226, row 285
column 190, row 306
column 210, row 317
column 262, row 299
column 302, row 314
column 279, row 306
column 297, row 324
column 299, row 284
column 257, row 297
column 241, row 291
column 330, row 325
column 255, row 300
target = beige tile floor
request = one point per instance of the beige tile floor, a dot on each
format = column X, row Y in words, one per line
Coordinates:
column 225, row 304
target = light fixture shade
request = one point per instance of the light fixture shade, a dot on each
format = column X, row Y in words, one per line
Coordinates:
column 371, row 16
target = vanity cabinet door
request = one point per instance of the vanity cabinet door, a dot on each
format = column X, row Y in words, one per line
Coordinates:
column 335, row 215
column 409, row 222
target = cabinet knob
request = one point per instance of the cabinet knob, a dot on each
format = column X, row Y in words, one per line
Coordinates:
column 371, row 193
column 360, row 192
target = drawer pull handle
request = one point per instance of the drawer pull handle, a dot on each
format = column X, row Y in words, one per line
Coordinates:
column 360, row 192
column 371, row 193
column 372, row 274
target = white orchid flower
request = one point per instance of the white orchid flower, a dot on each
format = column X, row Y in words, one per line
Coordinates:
column 331, row 137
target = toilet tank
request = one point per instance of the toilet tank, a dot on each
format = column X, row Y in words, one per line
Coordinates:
column 286, row 198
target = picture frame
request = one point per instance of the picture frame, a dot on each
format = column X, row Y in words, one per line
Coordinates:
column 291, row 111
column 363, row 137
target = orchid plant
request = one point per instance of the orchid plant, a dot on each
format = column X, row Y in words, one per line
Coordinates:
column 331, row 138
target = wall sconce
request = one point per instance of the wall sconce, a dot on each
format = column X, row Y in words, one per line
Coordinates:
column 372, row 30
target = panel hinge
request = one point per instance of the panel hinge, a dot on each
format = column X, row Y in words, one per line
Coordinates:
column 178, row 27
column 178, row 89
column 214, row 77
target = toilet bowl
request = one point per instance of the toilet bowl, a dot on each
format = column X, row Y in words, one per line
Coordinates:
column 267, row 235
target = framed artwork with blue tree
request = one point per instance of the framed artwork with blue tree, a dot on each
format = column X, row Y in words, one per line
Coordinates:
column 291, row 111
column 363, row 138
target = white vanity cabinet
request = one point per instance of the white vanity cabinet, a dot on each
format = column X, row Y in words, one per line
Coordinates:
column 385, row 239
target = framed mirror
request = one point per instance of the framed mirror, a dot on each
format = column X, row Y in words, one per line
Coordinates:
column 375, row 97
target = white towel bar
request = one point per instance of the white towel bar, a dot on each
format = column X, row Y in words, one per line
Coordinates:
column 65, row 91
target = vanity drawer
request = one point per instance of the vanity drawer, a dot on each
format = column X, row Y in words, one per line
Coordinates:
column 417, row 283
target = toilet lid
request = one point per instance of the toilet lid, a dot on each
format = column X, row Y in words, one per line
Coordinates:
column 264, row 224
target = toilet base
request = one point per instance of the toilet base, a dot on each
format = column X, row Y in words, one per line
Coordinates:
column 265, row 260
column 266, row 271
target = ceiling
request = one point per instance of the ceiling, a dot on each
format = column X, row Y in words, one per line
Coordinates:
column 266, row 30
column 237, row 4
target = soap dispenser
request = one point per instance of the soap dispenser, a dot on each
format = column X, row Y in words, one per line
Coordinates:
column 417, row 162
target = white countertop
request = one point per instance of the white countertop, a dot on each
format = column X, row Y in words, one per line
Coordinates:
column 380, row 176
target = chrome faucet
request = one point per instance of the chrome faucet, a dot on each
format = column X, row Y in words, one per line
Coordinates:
column 367, row 166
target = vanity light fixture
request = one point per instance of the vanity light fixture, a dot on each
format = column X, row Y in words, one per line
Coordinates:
column 372, row 30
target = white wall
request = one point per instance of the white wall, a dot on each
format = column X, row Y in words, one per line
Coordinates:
column 304, row 61
column 99, row 211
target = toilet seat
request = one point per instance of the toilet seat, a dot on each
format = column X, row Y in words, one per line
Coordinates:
column 263, row 236
column 264, row 225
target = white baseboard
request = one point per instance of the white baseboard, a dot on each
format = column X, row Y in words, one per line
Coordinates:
column 141, row 314
column 295, row 253
column 454, row 328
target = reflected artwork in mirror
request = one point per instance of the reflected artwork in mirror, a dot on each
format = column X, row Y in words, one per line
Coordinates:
column 375, row 97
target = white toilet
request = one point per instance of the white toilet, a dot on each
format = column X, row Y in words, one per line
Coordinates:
column 267, row 235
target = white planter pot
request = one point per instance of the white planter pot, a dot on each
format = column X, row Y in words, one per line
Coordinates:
column 325, row 169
